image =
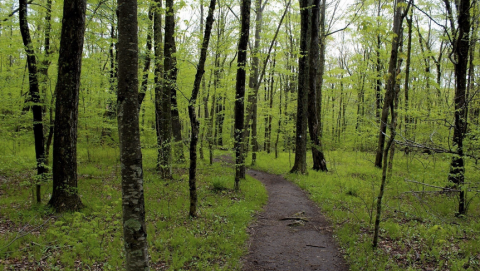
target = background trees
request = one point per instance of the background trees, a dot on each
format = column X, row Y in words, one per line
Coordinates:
column 340, row 90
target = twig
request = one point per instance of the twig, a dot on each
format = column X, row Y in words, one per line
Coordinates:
column 19, row 235
column 295, row 218
column 315, row 246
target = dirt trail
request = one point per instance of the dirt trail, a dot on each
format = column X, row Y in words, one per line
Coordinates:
column 301, row 242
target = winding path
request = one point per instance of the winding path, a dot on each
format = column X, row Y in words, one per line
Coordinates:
column 290, row 233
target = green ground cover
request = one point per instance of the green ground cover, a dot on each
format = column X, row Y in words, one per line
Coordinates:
column 31, row 236
column 419, row 231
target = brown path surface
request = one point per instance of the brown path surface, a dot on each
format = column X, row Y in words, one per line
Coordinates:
column 277, row 244
column 292, row 244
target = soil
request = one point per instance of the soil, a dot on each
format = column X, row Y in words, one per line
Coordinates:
column 290, row 233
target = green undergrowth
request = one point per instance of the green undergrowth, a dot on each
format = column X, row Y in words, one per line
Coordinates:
column 32, row 237
column 418, row 231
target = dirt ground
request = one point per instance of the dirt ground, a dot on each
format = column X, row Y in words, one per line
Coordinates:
column 290, row 233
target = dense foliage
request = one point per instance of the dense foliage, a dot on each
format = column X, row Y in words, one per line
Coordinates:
column 357, row 39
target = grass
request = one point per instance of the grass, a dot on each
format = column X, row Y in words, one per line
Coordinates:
column 419, row 231
column 31, row 236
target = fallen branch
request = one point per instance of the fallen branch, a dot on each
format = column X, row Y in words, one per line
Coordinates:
column 315, row 246
column 295, row 218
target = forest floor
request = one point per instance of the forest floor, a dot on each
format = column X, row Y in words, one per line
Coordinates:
column 290, row 233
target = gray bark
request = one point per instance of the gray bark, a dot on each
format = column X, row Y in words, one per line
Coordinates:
column 133, row 202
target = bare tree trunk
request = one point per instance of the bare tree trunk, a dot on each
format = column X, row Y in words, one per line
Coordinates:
column 159, row 69
column 133, row 202
column 279, row 121
column 461, row 48
column 378, row 90
column 314, row 120
column 407, row 74
column 148, row 58
column 169, row 77
column 269, row 124
column 65, row 189
column 191, row 111
column 35, row 97
column 390, row 90
column 240, row 91
column 321, row 66
column 394, row 111
column 382, row 185
column 220, row 120
column 253, row 83
column 179, row 156
column 300, row 165
column 43, row 70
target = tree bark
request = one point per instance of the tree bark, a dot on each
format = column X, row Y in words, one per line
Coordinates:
column 158, row 48
column 65, row 189
column 133, row 202
column 164, row 115
column 35, row 98
column 191, row 111
column 321, row 67
column 461, row 48
column 390, row 90
column 407, row 74
column 179, row 156
column 314, row 120
column 378, row 86
column 300, row 165
column 240, row 92
column 148, row 58
column 253, row 82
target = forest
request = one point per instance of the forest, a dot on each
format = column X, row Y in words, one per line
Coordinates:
column 149, row 134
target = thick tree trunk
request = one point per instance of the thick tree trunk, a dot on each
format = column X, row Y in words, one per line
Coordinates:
column 300, row 165
column 191, row 111
column 133, row 202
column 461, row 48
column 65, row 189
column 240, row 92
column 314, row 120
column 321, row 66
column 35, row 97
column 390, row 90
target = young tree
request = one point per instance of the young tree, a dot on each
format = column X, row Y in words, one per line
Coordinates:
column 389, row 107
column 65, row 190
column 133, row 202
column 390, row 89
column 34, row 96
column 240, row 91
column 191, row 111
